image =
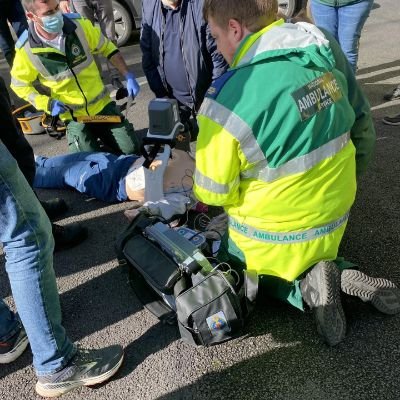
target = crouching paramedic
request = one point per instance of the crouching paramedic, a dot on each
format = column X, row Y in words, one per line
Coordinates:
column 58, row 50
column 280, row 133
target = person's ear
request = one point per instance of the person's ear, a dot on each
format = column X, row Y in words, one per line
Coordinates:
column 236, row 30
column 30, row 16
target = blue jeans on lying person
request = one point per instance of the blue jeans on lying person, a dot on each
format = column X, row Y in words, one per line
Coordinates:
column 345, row 23
column 99, row 175
column 26, row 234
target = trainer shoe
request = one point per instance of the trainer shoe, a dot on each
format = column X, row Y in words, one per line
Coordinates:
column 320, row 290
column 392, row 120
column 393, row 95
column 13, row 347
column 381, row 293
column 87, row 368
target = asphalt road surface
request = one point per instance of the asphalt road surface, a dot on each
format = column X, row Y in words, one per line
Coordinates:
column 280, row 356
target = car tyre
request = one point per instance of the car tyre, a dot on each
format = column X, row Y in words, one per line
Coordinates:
column 123, row 23
column 289, row 7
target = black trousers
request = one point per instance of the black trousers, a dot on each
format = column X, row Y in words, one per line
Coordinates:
column 13, row 12
column 13, row 138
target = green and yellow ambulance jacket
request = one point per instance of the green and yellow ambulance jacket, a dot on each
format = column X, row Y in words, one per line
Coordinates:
column 274, row 150
column 72, row 76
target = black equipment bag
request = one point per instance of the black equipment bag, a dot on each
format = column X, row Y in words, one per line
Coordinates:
column 133, row 254
column 208, row 306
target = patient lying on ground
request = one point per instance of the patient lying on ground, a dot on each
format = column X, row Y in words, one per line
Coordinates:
column 111, row 178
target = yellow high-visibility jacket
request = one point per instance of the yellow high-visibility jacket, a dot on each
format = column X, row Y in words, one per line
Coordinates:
column 274, row 150
column 71, row 75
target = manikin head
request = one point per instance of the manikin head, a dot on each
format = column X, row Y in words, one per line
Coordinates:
column 171, row 3
column 46, row 15
column 230, row 21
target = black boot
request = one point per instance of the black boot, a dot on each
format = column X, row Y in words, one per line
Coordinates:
column 54, row 207
column 68, row 236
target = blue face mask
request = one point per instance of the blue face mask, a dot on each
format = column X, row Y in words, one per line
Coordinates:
column 53, row 23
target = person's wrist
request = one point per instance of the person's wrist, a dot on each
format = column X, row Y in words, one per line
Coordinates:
column 129, row 75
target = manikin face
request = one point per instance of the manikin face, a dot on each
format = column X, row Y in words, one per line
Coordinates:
column 227, row 39
column 172, row 3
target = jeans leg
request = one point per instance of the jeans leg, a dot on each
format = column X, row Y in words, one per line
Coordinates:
column 25, row 232
column 9, row 323
column 351, row 22
column 325, row 17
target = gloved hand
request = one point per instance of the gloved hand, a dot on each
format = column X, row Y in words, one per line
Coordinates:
column 132, row 85
column 57, row 107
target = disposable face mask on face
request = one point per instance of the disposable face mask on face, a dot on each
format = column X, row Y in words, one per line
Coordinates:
column 53, row 23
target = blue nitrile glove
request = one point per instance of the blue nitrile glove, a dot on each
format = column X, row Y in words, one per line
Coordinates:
column 132, row 85
column 57, row 107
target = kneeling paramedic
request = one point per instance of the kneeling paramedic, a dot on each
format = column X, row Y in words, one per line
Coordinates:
column 58, row 50
column 281, row 134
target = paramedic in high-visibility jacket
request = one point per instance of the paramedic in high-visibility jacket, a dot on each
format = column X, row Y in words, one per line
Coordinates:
column 281, row 133
column 58, row 50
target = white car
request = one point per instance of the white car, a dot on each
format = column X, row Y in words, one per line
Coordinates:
column 128, row 13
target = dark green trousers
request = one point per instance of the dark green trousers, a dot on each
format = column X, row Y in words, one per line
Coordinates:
column 116, row 138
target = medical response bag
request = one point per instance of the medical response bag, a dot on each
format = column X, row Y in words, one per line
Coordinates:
column 29, row 119
column 176, row 283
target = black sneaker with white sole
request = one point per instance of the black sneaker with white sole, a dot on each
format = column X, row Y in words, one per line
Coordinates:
column 11, row 349
column 87, row 368
column 381, row 293
column 320, row 290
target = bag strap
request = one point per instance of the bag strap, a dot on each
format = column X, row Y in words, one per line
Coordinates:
column 150, row 300
column 134, row 228
column 248, row 291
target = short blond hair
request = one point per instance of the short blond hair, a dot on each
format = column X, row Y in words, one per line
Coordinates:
column 254, row 14
column 29, row 5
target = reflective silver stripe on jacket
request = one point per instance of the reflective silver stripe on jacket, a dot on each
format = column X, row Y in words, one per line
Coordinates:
column 212, row 186
column 101, row 42
column 286, row 237
column 17, row 83
column 287, row 36
column 238, row 128
column 32, row 99
column 299, row 164
column 100, row 96
column 65, row 74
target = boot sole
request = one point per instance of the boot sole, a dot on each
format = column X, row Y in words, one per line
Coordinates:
column 58, row 389
column 329, row 315
column 381, row 293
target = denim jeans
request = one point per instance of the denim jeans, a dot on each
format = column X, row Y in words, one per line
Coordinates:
column 345, row 23
column 99, row 175
column 25, row 232
column 12, row 11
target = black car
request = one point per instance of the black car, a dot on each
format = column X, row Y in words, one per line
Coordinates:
column 128, row 13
